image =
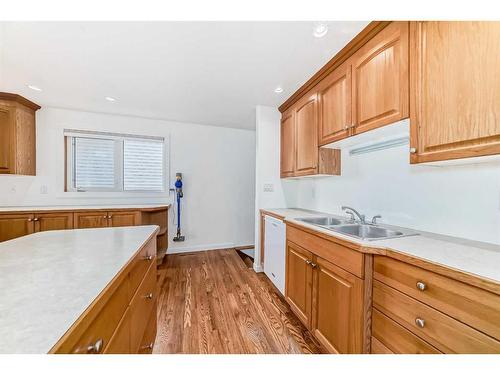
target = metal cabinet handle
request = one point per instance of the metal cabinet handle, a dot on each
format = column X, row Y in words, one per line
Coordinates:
column 150, row 346
column 420, row 322
column 105, row 217
column 35, row 219
column 413, row 150
column 308, row 262
column 95, row 348
column 421, row 286
column 30, row 219
column 149, row 296
column 109, row 216
column 148, row 257
column 314, row 265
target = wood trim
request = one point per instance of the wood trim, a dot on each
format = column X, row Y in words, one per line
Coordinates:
column 270, row 213
column 245, row 247
column 356, row 43
column 367, row 303
column 19, row 99
column 61, row 209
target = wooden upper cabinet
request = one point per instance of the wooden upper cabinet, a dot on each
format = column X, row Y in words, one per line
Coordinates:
column 334, row 104
column 306, row 124
column 17, row 135
column 91, row 219
column 337, row 308
column 298, row 286
column 287, row 144
column 15, row 225
column 53, row 221
column 380, row 79
column 455, row 95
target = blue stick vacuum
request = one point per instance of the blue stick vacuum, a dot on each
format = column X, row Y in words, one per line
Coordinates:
column 179, row 193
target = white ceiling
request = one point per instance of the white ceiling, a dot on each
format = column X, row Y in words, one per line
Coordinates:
column 203, row 72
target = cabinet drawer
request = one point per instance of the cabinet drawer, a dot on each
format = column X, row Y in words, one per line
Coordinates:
column 440, row 330
column 104, row 324
column 348, row 259
column 149, row 337
column 396, row 338
column 473, row 306
column 141, row 264
column 120, row 341
column 379, row 348
column 141, row 306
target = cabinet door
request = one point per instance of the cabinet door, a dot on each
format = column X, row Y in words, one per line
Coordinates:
column 123, row 218
column 120, row 341
column 287, row 145
column 334, row 102
column 306, row 133
column 380, row 79
column 455, row 95
column 53, row 221
column 298, row 287
column 15, row 225
column 337, row 308
column 91, row 219
column 6, row 139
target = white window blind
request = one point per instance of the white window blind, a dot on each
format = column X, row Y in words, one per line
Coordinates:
column 94, row 164
column 115, row 162
column 142, row 165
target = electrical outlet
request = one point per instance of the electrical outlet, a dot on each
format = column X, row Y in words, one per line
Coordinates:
column 44, row 189
column 268, row 188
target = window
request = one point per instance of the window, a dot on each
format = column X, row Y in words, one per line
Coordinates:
column 115, row 162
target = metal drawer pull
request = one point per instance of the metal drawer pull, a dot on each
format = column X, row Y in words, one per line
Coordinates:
column 148, row 257
column 420, row 322
column 109, row 217
column 35, row 219
column 95, row 348
column 30, row 219
column 314, row 265
column 149, row 296
column 421, row 286
column 150, row 346
column 308, row 262
column 105, row 217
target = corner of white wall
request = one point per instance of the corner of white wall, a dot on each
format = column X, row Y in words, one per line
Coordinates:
column 267, row 166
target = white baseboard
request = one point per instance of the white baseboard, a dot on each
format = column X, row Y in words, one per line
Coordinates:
column 258, row 267
column 195, row 248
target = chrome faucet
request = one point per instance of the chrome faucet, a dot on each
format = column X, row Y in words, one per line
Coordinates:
column 351, row 211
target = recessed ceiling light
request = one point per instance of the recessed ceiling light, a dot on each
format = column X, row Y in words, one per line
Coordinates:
column 110, row 99
column 320, row 30
column 278, row 90
column 33, row 87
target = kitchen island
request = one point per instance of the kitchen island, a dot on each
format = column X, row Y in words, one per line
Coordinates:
column 79, row 291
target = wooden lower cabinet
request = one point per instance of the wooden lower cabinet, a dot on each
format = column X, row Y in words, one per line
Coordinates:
column 124, row 218
column 337, row 308
column 298, row 286
column 53, row 221
column 15, row 225
column 327, row 299
column 120, row 318
column 91, row 219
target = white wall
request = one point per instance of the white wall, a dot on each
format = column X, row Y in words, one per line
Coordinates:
column 217, row 165
column 455, row 200
column 267, row 168
column 460, row 200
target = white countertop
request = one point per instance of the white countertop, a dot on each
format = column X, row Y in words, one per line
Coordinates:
column 48, row 279
column 91, row 207
column 473, row 257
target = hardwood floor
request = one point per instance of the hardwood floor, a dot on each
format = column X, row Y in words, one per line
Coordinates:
column 210, row 302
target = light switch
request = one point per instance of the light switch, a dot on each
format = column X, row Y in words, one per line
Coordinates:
column 44, row 189
column 268, row 188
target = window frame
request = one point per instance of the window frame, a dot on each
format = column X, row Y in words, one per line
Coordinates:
column 70, row 136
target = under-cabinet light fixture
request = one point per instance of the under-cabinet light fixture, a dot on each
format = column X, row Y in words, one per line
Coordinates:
column 383, row 145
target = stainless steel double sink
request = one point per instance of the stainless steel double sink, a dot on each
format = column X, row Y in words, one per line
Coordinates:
column 362, row 231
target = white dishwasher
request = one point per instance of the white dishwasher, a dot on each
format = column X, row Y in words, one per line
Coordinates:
column 274, row 251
